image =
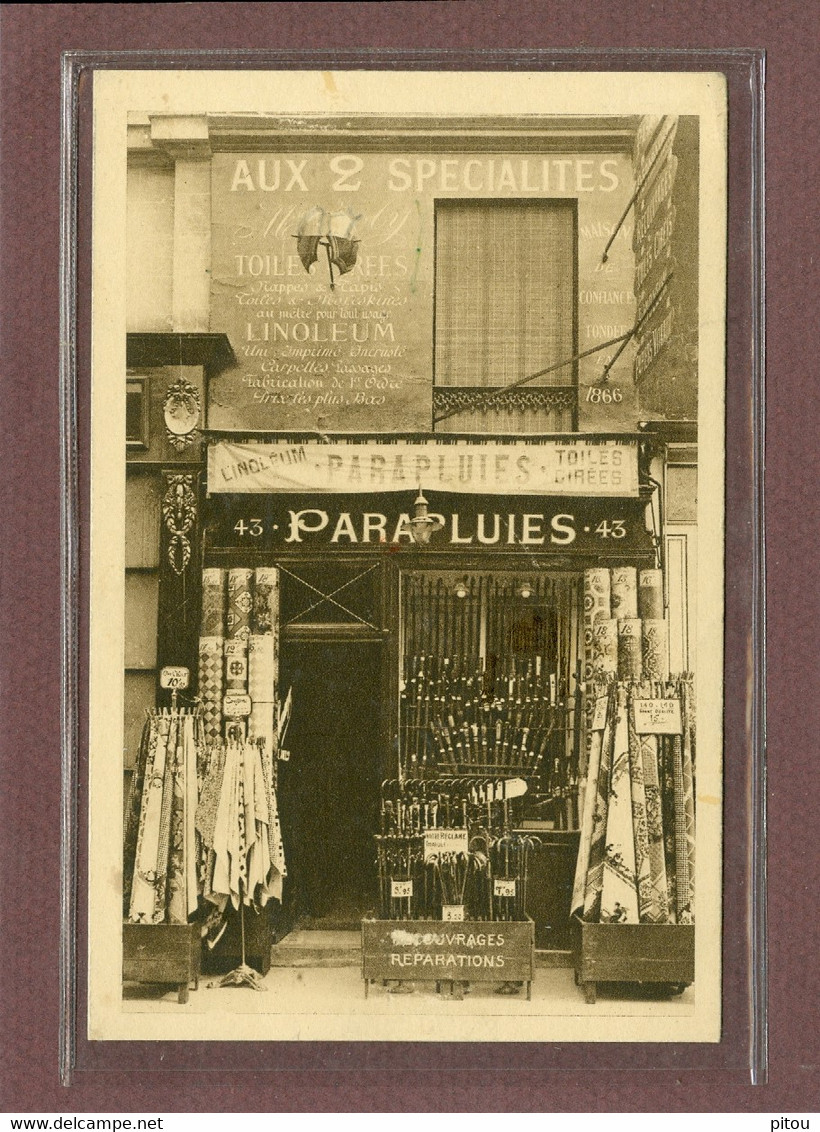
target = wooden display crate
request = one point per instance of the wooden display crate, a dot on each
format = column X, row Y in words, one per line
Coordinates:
column 633, row 953
column 454, row 952
column 162, row 953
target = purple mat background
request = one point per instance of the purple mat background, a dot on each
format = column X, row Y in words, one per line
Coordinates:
column 378, row 1077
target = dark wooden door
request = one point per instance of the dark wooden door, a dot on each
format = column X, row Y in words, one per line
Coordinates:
column 329, row 787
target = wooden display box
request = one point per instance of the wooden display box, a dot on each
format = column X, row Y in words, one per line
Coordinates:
column 633, row 953
column 162, row 953
column 469, row 951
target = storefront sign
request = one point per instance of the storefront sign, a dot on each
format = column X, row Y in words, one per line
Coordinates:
column 428, row 949
column 323, row 278
column 514, row 523
column 657, row 717
column 551, row 467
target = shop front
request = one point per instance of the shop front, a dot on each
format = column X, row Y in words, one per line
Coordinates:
column 430, row 650
column 412, row 553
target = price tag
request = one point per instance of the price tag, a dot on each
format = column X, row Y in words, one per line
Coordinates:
column 236, row 705
column 454, row 913
column 284, row 756
column 400, row 889
column 599, row 715
column 657, row 717
column 504, row 886
column 175, row 677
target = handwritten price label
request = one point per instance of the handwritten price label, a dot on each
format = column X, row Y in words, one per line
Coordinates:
column 504, row 887
column 453, row 913
column 174, row 677
column 401, row 889
column 658, row 717
column 236, row 705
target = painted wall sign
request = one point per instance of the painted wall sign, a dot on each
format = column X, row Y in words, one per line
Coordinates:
column 665, row 242
column 322, row 278
column 552, row 467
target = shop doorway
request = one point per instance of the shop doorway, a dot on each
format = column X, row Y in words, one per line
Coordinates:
column 329, row 786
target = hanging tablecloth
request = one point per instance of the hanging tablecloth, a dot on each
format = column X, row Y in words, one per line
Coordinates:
column 619, row 894
column 160, row 859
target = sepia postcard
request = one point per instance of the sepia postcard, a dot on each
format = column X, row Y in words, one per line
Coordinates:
column 407, row 463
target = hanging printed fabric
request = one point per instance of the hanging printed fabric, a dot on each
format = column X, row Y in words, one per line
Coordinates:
column 619, row 895
column 624, row 592
column 236, row 818
column 649, row 908
column 211, row 652
column 689, row 787
column 589, row 806
column 636, row 856
column 595, row 869
column 654, row 824
column 650, row 595
column 182, row 863
column 629, row 649
column 263, row 655
column 160, row 864
column 144, row 886
column 667, row 775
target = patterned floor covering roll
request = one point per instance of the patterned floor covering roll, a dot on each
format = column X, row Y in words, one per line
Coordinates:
column 624, row 592
column 211, row 652
column 263, row 655
column 630, row 666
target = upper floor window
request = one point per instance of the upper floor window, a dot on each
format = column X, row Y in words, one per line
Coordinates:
column 506, row 282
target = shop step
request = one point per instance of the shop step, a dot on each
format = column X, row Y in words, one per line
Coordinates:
column 318, row 949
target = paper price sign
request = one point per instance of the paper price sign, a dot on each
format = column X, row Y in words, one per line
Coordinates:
column 453, row 913
column 175, row 677
column 599, row 715
column 504, row 886
column 438, row 841
column 657, row 717
column 401, row 889
column 236, row 705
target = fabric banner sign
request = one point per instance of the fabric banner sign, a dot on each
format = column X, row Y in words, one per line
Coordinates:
column 552, row 467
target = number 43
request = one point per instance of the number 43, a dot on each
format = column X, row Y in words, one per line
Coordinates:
column 613, row 529
column 253, row 527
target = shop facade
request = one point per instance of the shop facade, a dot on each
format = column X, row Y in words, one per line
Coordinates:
column 402, row 398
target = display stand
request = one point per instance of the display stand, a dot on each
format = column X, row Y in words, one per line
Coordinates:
column 448, row 953
column 633, row 953
column 242, row 975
